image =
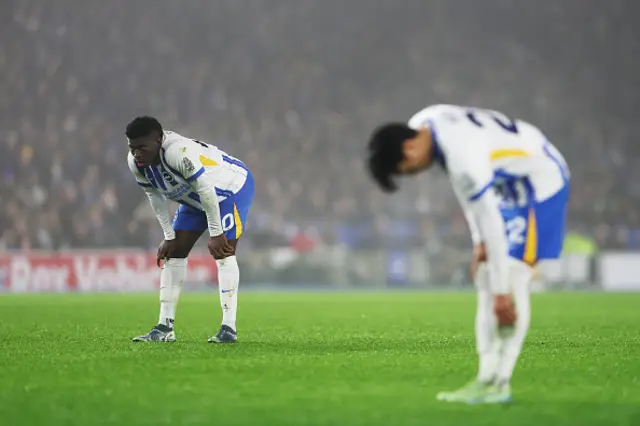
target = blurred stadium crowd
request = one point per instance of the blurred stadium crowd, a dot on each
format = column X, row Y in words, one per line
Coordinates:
column 293, row 89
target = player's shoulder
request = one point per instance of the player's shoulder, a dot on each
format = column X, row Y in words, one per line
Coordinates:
column 435, row 113
column 175, row 147
column 173, row 141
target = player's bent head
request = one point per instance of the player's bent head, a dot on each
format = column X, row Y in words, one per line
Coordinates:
column 392, row 153
column 143, row 126
column 145, row 139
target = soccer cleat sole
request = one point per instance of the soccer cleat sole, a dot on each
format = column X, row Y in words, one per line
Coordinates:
column 492, row 401
column 216, row 340
column 451, row 397
column 170, row 337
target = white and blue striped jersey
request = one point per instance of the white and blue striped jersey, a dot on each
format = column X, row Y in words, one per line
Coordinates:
column 481, row 148
column 182, row 161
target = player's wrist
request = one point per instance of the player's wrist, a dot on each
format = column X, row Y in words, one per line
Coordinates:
column 215, row 234
column 170, row 236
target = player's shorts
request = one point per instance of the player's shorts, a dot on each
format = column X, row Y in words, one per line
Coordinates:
column 234, row 211
column 536, row 231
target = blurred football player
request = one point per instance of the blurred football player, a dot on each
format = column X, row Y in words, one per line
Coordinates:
column 513, row 186
column 214, row 191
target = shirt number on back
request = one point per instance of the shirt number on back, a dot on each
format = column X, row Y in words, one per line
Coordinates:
column 200, row 143
column 506, row 123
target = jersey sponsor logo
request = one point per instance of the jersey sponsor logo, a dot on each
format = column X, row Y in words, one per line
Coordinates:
column 466, row 183
column 178, row 192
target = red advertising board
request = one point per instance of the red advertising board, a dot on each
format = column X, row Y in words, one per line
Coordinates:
column 91, row 271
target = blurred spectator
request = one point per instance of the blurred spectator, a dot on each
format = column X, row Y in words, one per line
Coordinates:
column 293, row 89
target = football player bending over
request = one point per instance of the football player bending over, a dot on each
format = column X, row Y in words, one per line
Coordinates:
column 513, row 186
column 214, row 191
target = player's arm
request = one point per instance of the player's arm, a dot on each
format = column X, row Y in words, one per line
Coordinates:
column 206, row 190
column 472, row 184
column 472, row 223
column 190, row 167
column 491, row 233
column 193, row 171
column 157, row 200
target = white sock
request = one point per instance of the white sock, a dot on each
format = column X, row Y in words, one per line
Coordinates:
column 174, row 272
column 228, row 281
column 487, row 344
column 520, row 278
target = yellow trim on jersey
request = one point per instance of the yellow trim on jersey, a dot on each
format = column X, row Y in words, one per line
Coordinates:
column 207, row 161
column 504, row 153
column 238, row 221
column 531, row 242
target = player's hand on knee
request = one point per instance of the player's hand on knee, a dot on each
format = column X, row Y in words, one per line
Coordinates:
column 479, row 256
column 219, row 247
column 504, row 309
column 165, row 250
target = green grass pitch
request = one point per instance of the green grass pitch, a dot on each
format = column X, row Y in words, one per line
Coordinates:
column 310, row 359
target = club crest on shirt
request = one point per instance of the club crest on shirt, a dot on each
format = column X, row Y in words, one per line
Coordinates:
column 188, row 166
column 466, row 183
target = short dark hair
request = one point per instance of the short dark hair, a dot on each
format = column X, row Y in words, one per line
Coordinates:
column 142, row 126
column 385, row 152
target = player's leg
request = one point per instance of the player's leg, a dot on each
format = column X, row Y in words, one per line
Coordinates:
column 499, row 347
column 228, row 284
column 513, row 339
column 189, row 225
column 489, row 339
column 485, row 328
column 544, row 237
column 234, row 213
column 487, row 344
column 174, row 274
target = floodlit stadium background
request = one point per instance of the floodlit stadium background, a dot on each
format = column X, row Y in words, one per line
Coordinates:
column 293, row 88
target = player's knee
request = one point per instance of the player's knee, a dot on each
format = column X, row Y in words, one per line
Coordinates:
column 225, row 256
column 520, row 272
column 180, row 252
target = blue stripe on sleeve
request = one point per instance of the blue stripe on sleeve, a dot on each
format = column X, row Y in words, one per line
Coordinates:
column 196, row 175
column 224, row 193
column 563, row 169
column 481, row 192
column 235, row 162
column 194, row 197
